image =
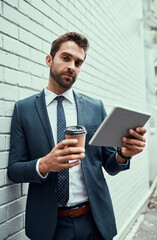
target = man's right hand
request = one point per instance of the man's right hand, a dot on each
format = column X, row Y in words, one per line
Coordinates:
column 59, row 156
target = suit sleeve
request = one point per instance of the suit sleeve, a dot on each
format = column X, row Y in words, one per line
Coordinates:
column 20, row 168
column 110, row 162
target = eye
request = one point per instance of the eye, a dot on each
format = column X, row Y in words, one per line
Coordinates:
column 65, row 58
column 78, row 63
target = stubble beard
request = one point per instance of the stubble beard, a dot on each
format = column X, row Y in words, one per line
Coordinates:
column 58, row 77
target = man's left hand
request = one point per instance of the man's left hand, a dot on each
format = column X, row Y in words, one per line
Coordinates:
column 135, row 145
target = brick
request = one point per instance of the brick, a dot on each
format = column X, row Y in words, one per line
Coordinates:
column 71, row 27
column 43, row 7
column 24, row 93
column 73, row 9
column 30, row 67
column 57, row 18
column 4, row 159
column 3, row 230
column 6, row 90
column 1, row 108
column 9, row 28
column 8, row 59
column 5, row 125
column 79, row 25
column 55, row 5
column 2, row 142
column 38, row 56
column 24, row 189
column 15, row 208
column 2, row 177
column 24, row 217
column 15, row 224
column 30, row 39
column 18, row 236
column 15, row 16
column 1, row 41
column 8, row 108
column 64, row 11
column 7, row 142
column 80, row 7
column 30, row 11
column 0, row 7
column 47, row 47
column 38, row 83
column 3, row 214
column 17, row 78
column 41, row 31
column 70, row 17
column 7, row 180
column 51, row 24
column 1, row 75
column 46, row 73
column 10, row 193
column 65, row 3
column 16, row 47
column 13, row 3
column 25, row 65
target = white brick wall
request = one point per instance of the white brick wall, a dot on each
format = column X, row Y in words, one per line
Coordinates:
column 113, row 72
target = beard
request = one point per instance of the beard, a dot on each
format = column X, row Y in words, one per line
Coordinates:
column 63, row 81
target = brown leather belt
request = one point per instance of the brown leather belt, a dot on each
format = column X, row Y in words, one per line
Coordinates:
column 74, row 212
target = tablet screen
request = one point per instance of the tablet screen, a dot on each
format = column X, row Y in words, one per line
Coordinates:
column 116, row 125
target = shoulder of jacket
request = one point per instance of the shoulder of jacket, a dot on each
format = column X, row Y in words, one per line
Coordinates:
column 28, row 100
column 88, row 98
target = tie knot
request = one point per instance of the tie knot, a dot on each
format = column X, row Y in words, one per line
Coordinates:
column 60, row 99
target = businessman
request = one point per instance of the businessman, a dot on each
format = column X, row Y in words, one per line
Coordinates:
column 68, row 197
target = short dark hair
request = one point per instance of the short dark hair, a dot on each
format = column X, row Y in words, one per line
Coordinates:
column 78, row 38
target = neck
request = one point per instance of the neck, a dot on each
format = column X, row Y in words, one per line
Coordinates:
column 55, row 87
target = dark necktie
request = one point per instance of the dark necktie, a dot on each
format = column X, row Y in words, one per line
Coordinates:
column 63, row 175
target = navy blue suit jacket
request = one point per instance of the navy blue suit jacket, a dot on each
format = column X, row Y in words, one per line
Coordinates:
column 32, row 138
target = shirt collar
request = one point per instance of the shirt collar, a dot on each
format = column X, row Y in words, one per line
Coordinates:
column 50, row 96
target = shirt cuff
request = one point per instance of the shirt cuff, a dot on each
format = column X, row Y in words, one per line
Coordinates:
column 125, row 165
column 37, row 170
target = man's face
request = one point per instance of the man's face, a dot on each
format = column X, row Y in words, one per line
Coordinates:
column 66, row 64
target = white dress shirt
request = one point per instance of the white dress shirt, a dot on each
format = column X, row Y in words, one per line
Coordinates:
column 77, row 189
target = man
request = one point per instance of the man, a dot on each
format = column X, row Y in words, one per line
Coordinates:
column 39, row 156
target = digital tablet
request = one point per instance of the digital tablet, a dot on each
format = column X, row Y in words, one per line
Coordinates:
column 116, row 125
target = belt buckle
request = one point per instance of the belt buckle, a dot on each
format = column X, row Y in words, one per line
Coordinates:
column 70, row 214
column 70, row 211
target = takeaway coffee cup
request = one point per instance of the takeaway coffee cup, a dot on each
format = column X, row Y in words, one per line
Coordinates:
column 76, row 132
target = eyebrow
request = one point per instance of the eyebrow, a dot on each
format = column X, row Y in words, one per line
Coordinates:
column 70, row 55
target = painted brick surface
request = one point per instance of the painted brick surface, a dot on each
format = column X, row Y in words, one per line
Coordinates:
column 3, row 160
column 112, row 72
column 3, row 214
column 16, row 207
column 18, row 236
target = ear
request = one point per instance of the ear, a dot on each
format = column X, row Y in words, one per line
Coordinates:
column 48, row 60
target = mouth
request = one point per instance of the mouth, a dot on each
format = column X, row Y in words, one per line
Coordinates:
column 68, row 75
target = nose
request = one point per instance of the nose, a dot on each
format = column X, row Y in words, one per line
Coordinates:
column 71, row 66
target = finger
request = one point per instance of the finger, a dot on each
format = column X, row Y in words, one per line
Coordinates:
column 66, row 142
column 133, row 148
column 141, row 130
column 137, row 135
column 133, row 142
column 71, row 150
column 70, row 165
column 71, row 157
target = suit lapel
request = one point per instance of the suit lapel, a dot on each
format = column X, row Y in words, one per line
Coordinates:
column 43, row 115
column 80, row 106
